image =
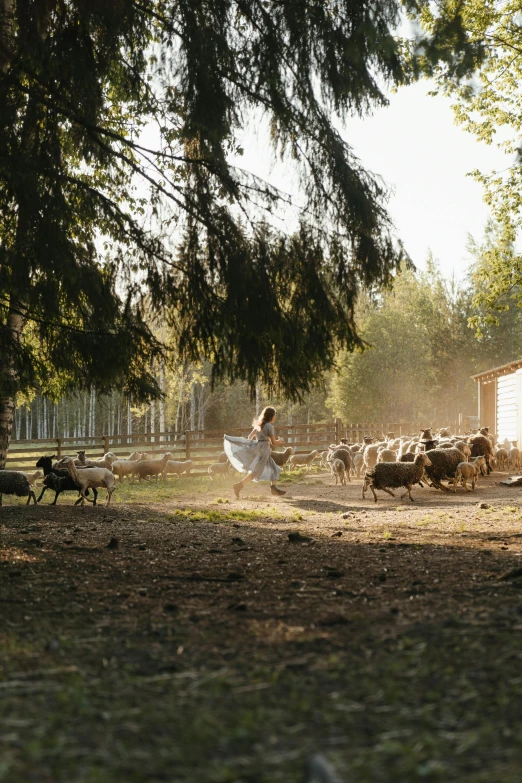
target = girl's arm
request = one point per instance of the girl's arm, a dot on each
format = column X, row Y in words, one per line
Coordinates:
column 252, row 435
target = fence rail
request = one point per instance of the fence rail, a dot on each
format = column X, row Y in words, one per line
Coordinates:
column 203, row 446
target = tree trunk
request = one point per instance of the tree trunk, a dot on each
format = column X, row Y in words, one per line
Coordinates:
column 161, row 403
column 6, row 32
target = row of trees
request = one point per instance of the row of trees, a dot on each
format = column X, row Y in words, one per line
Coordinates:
column 425, row 339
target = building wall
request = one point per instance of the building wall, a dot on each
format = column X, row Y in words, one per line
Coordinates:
column 507, row 408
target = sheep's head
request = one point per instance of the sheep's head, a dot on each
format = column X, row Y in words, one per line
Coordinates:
column 465, row 448
column 45, row 462
column 422, row 459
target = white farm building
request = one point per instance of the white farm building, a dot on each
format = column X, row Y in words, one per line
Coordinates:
column 500, row 401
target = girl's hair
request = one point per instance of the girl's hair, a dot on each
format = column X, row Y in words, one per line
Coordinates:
column 266, row 415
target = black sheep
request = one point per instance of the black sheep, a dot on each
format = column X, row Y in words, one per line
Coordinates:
column 57, row 479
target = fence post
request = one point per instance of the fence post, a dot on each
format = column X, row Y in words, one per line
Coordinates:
column 105, row 443
column 187, row 444
column 338, row 430
column 58, row 447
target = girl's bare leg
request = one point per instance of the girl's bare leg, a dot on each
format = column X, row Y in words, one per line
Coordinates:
column 240, row 484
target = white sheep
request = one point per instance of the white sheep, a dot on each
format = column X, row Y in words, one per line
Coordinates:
column 218, row 469
column 90, row 478
column 468, row 471
column 303, row 459
column 337, row 466
column 150, row 467
column 502, row 458
column 514, row 458
column 358, row 461
column 176, row 467
column 387, row 455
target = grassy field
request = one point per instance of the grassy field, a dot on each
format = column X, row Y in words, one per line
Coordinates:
column 180, row 635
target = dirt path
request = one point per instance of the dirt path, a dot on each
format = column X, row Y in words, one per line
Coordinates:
column 192, row 640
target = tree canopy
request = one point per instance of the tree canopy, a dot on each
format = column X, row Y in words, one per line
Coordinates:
column 83, row 245
column 473, row 49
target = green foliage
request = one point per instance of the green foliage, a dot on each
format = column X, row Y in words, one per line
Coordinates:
column 480, row 67
column 497, row 285
column 420, row 359
column 95, row 223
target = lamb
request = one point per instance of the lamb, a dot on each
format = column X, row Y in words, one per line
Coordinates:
column 218, row 469
column 14, row 482
column 150, row 467
column 31, row 477
column 323, row 456
column 176, row 467
column 344, row 454
column 223, row 457
column 468, row 471
column 481, row 446
column 303, row 459
column 91, row 478
column 338, row 470
column 444, row 463
column 358, row 463
column 396, row 474
column 66, row 483
column 281, row 457
column 502, row 457
column 514, row 458
column 123, row 467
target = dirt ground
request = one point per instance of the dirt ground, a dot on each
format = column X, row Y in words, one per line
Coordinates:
column 180, row 635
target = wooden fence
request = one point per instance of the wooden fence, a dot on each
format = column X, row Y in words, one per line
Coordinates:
column 201, row 446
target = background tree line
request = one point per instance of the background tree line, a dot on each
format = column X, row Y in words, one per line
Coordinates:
column 423, row 347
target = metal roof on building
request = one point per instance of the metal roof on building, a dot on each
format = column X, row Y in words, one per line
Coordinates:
column 504, row 369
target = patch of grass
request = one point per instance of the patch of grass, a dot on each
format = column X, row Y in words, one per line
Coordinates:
column 292, row 476
column 387, row 534
column 221, row 500
column 215, row 515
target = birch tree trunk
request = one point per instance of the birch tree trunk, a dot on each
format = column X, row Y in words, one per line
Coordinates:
column 152, row 419
column 161, row 403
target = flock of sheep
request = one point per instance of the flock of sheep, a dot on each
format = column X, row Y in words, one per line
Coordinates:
column 386, row 464
column 80, row 474
column 403, row 462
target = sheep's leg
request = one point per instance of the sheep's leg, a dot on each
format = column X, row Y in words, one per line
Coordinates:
column 84, row 497
column 56, row 493
column 373, row 492
column 408, row 492
column 385, row 489
column 42, row 494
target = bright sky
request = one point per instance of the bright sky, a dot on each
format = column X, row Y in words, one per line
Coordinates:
column 414, row 145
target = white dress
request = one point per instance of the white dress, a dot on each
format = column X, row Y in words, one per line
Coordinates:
column 253, row 456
